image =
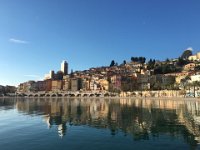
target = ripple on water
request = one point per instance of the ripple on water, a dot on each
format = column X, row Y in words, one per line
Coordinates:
column 98, row 124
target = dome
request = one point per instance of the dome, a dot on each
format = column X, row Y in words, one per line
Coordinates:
column 190, row 49
column 187, row 53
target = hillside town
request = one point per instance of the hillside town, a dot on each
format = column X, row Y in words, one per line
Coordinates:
column 180, row 74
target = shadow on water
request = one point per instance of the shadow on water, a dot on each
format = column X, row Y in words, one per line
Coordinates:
column 142, row 119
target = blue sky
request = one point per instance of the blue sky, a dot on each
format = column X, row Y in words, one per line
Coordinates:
column 36, row 35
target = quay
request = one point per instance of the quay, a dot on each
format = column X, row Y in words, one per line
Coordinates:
column 66, row 94
column 160, row 93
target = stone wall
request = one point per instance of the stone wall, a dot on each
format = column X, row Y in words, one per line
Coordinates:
column 161, row 93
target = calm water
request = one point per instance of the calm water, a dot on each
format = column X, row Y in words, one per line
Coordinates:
column 99, row 124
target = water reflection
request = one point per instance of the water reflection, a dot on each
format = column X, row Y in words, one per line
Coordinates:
column 143, row 119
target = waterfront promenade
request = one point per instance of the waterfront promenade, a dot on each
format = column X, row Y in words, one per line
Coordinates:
column 161, row 93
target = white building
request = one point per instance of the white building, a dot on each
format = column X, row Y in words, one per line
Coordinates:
column 64, row 67
column 195, row 78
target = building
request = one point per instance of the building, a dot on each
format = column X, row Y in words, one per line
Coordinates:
column 1, row 90
column 59, row 75
column 51, row 74
column 84, row 84
column 116, row 82
column 143, row 81
column 129, row 83
column 41, row 85
column 45, row 85
column 93, row 85
column 57, row 85
column 75, row 84
column 179, row 79
column 10, row 90
column 160, row 81
column 104, row 84
column 189, row 67
column 168, row 80
column 195, row 78
column 29, row 86
column 48, row 84
column 64, row 67
column 195, row 57
column 66, row 83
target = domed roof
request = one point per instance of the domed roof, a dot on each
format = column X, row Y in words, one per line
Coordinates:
column 187, row 53
column 190, row 49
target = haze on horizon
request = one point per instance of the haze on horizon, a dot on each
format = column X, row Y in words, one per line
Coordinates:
column 37, row 35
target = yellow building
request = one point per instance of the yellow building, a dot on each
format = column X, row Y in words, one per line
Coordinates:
column 104, row 84
column 189, row 66
column 179, row 78
column 195, row 57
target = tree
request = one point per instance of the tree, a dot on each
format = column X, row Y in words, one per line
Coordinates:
column 112, row 63
column 151, row 64
column 181, row 62
column 185, row 81
column 154, row 61
column 167, row 60
column 59, row 75
column 143, row 60
column 186, row 54
column 197, row 68
column 134, row 59
column 124, row 62
column 166, row 68
column 140, row 59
